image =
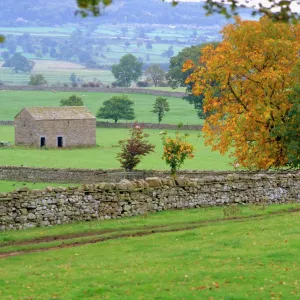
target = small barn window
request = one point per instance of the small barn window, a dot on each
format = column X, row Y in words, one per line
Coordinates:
column 43, row 142
column 60, row 142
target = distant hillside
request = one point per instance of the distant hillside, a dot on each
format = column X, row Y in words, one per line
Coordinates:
column 57, row 12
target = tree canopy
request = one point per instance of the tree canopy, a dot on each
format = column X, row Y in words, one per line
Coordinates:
column 276, row 10
column 157, row 74
column 117, row 108
column 18, row 62
column 251, row 107
column 37, row 79
column 127, row 70
column 176, row 77
column 72, row 101
column 160, row 106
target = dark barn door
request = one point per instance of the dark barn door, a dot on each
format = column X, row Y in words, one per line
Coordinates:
column 60, row 142
column 43, row 142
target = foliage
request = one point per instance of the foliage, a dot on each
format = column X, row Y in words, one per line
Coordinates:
column 276, row 10
column 129, row 69
column 253, row 67
column 177, row 78
column 176, row 150
column 160, row 106
column 134, row 148
column 37, row 79
column 19, row 63
column 72, row 101
column 290, row 131
column 117, row 108
column 156, row 73
column 142, row 83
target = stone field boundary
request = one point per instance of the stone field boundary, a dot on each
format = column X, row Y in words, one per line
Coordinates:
column 25, row 208
column 92, row 89
column 129, row 125
column 85, row 176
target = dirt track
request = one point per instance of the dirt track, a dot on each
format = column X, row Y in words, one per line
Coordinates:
column 144, row 231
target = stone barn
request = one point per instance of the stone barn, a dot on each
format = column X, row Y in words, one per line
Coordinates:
column 64, row 126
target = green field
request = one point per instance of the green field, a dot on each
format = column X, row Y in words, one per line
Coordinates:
column 11, row 102
column 7, row 186
column 104, row 156
column 191, row 254
column 55, row 75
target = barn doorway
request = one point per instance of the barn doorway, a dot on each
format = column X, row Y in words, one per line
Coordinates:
column 60, row 142
column 43, row 142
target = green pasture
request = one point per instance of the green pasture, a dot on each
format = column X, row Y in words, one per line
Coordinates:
column 104, row 155
column 7, row 186
column 11, row 102
column 55, row 75
column 205, row 257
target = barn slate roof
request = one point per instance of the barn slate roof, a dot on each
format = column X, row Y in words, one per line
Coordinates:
column 59, row 113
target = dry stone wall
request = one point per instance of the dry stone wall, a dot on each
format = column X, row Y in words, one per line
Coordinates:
column 101, row 124
column 81, row 176
column 26, row 208
column 92, row 89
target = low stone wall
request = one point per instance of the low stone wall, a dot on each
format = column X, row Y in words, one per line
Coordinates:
column 6, row 123
column 26, row 208
column 149, row 126
column 92, row 89
column 129, row 125
column 81, row 176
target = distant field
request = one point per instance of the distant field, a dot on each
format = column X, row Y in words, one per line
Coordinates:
column 109, row 45
column 55, row 72
column 11, row 102
column 104, row 156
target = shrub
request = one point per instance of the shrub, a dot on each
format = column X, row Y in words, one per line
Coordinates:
column 142, row 84
column 134, row 148
column 176, row 150
column 72, row 101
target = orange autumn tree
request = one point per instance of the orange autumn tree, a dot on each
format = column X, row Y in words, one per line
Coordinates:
column 247, row 81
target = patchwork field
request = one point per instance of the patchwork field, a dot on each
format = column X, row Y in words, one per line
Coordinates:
column 11, row 102
column 104, row 156
column 191, row 254
column 55, row 72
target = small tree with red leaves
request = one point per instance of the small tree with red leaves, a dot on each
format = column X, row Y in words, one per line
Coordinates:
column 134, row 148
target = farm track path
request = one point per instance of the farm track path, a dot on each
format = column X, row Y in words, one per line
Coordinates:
column 146, row 230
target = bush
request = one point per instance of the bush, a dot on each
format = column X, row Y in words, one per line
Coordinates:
column 176, row 150
column 134, row 148
column 142, row 84
column 114, row 84
column 37, row 79
column 72, row 101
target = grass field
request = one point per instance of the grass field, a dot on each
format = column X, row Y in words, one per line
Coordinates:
column 191, row 254
column 11, row 102
column 55, row 72
column 7, row 186
column 104, row 156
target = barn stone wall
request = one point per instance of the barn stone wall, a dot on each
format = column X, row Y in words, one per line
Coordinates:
column 74, row 132
column 26, row 208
